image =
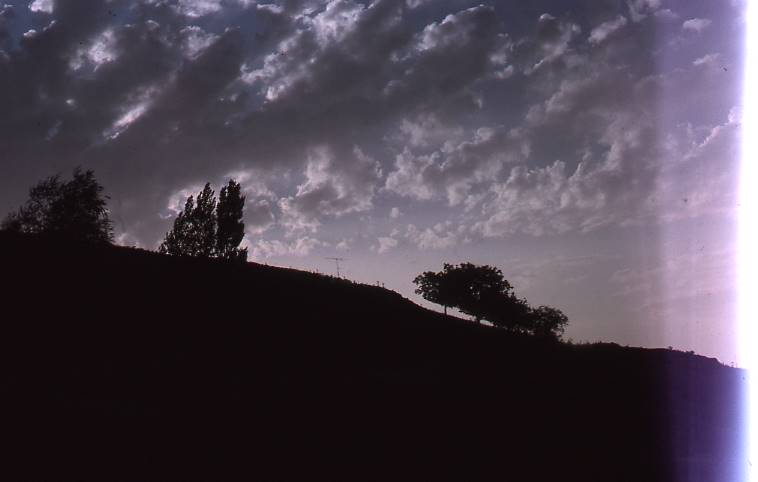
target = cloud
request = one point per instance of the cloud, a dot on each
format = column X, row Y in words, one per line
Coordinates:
column 416, row 3
column 177, row 200
column 637, row 179
column 99, row 51
column 467, row 39
column 408, row 178
column 441, row 236
column 303, row 246
column 197, row 8
column 298, row 58
column 344, row 244
column 606, row 29
column 703, row 180
column 259, row 216
column 708, row 60
column 666, row 14
column 135, row 107
column 455, row 30
column 44, row 6
column 386, row 244
column 550, row 200
column 532, row 201
column 195, row 40
column 549, row 43
column 337, row 20
column 425, row 131
column 456, row 168
column 696, row 25
column 331, row 188
column 640, row 9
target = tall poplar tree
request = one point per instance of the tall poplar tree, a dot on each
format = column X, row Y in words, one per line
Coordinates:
column 194, row 230
column 207, row 228
column 231, row 228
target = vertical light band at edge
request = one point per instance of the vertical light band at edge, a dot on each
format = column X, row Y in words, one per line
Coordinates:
column 748, row 241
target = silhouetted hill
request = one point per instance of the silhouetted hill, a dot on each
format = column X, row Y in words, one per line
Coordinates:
column 122, row 364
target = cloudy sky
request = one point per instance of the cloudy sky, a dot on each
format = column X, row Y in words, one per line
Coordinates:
column 588, row 148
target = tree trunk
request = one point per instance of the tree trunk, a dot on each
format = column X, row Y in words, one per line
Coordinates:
column 444, row 308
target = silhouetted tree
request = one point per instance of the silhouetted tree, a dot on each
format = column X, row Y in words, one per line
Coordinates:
column 194, row 230
column 177, row 241
column 482, row 292
column 74, row 209
column 547, row 322
column 204, row 220
column 479, row 291
column 509, row 312
column 432, row 286
column 231, row 228
column 477, row 288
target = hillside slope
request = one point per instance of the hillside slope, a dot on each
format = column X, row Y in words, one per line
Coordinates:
column 121, row 364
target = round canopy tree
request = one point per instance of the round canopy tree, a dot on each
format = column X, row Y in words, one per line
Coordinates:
column 547, row 322
column 482, row 292
column 75, row 209
column 479, row 291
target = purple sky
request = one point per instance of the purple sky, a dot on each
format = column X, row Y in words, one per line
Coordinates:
column 589, row 149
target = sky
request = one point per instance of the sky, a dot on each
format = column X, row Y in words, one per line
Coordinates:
column 588, row 149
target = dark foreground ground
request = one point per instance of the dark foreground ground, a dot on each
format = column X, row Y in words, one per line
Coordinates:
column 120, row 364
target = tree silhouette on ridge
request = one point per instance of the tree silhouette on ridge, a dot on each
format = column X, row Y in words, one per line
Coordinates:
column 231, row 228
column 483, row 293
column 208, row 227
column 75, row 209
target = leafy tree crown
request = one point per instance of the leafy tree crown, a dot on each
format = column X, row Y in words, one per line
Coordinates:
column 483, row 292
column 75, row 209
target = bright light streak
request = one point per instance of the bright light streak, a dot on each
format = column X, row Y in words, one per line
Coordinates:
column 748, row 234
